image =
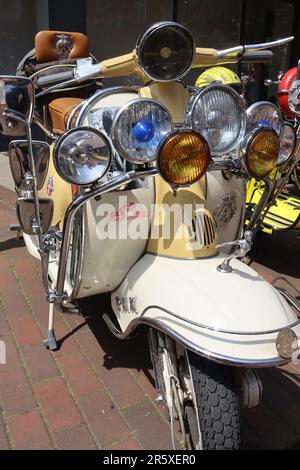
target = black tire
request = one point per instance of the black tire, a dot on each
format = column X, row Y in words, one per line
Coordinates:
column 217, row 405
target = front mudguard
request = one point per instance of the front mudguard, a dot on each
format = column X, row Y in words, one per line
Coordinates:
column 232, row 318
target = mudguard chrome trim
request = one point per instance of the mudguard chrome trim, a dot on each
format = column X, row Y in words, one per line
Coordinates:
column 220, row 330
column 276, row 361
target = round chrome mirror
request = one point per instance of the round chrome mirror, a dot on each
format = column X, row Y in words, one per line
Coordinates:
column 82, row 155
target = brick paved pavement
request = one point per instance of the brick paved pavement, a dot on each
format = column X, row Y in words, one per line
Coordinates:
column 96, row 391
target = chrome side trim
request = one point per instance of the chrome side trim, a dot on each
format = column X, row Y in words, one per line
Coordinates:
column 232, row 361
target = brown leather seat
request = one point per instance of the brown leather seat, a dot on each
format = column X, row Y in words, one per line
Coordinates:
column 60, row 110
column 57, row 45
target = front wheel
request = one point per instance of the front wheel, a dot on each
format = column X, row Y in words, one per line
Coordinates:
column 212, row 413
column 197, row 392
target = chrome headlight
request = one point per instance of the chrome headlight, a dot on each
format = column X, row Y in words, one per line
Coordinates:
column 261, row 150
column 165, row 51
column 138, row 128
column 293, row 96
column 183, row 157
column 287, row 144
column 82, row 155
column 218, row 113
column 264, row 114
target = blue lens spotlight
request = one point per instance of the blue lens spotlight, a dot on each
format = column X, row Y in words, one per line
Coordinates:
column 143, row 130
column 264, row 122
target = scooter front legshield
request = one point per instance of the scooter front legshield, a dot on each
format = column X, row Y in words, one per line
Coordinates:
column 224, row 316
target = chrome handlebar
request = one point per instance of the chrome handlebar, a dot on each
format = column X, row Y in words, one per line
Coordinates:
column 86, row 70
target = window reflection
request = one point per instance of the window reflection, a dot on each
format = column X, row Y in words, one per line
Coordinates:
column 213, row 24
column 266, row 20
column 113, row 26
column 18, row 26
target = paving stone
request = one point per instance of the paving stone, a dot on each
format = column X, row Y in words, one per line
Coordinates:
column 28, row 432
column 105, row 421
column 78, row 437
column 143, row 416
column 58, row 405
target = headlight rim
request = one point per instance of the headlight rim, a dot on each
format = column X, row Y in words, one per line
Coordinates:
column 193, row 102
column 250, row 137
column 146, row 33
column 73, row 131
column 258, row 104
column 165, row 140
column 281, row 165
column 117, row 116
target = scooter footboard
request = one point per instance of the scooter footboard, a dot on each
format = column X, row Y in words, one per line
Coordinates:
column 218, row 315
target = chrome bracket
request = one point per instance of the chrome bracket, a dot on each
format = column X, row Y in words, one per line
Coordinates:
column 53, row 297
column 49, row 238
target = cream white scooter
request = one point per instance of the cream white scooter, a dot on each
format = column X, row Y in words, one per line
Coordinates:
column 125, row 164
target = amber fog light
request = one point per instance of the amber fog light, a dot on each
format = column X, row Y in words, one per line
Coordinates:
column 286, row 343
column 262, row 152
column 183, row 157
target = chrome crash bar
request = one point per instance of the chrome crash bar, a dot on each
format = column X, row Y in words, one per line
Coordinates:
column 58, row 294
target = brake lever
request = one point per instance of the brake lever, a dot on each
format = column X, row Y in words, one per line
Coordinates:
column 84, row 71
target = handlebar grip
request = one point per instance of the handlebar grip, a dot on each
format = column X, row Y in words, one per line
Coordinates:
column 257, row 57
column 55, row 78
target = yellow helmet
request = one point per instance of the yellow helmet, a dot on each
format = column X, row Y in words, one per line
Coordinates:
column 219, row 75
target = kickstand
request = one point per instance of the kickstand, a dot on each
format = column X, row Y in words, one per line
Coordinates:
column 50, row 341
